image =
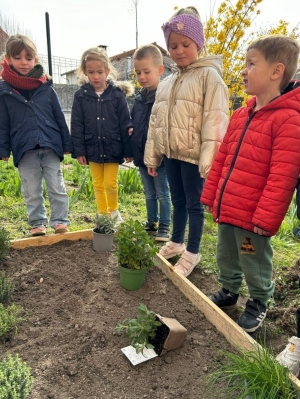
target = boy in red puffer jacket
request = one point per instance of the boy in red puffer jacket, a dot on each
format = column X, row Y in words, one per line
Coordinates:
column 254, row 175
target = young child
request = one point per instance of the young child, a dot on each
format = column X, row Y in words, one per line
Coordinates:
column 148, row 64
column 187, row 124
column 254, row 175
column 33, row 128
column 99, row 127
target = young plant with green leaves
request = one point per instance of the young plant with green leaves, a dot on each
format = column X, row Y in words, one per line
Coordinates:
column 10, row 318
column 135, row 247
column 6, row 286
column 15, row 378
column 104, row 224
column 252, row 374
column 140, row 329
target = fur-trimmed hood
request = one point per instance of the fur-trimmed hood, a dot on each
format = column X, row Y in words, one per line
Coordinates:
column 125, row 86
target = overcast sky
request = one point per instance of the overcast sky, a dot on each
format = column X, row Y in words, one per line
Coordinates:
column 77, row 25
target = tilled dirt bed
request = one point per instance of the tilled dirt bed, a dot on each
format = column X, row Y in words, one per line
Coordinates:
column 73, row 300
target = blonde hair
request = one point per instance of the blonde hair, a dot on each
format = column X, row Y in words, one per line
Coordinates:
column 279, row 48
column 95, row 54
column 17, row 43
column 190, row 10
column 149, row 51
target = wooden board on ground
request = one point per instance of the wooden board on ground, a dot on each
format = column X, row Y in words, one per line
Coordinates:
column 52, row 239
column 235, row 335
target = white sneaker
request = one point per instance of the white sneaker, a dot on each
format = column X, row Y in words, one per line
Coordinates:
column 290, row 356
column 117, row 217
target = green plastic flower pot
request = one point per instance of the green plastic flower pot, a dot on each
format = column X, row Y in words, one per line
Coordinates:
column 132, row 280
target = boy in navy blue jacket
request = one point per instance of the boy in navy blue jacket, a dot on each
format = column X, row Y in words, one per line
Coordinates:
column 148, row 64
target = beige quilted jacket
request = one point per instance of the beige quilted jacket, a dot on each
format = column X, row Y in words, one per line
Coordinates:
column 190, row 116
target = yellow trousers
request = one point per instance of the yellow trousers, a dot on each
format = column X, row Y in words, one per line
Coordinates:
column 105, row 182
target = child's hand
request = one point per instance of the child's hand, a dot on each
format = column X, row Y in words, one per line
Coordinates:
column 209, row 209
column 130, row 131
column 260, row 231
column 127, row 160
column 5, row 159
column 82, row 160
column 152, row 172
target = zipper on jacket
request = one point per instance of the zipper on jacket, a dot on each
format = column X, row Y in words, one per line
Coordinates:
column 232, row 165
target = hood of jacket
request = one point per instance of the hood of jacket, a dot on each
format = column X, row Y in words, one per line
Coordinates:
column 289, row 99
column 125, row 86
column 214, row 61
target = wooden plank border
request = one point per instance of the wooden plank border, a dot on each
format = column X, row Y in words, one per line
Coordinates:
column 235, row 335
column 51, row 239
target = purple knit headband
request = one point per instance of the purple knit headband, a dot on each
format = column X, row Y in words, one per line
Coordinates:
column 187, row 25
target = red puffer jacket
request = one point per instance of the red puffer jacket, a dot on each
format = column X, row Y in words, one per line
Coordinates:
column 254, row 174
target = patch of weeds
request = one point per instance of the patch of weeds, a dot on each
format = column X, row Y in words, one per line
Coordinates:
column 10, row 318
column 15, row 378
column 253, row 374
column 4, row 243
column 6, row 287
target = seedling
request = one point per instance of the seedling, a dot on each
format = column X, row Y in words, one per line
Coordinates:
column 104, row 224
column 141, row 329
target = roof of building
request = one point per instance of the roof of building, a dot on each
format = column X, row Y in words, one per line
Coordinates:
column 167, row 60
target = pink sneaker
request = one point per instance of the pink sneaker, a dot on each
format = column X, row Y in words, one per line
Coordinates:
column 38, row 231
column 169, row 250
column 187, row 264
column 61, row 228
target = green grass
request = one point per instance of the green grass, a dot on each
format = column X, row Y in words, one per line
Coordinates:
column 132, row 205
column 255, row 373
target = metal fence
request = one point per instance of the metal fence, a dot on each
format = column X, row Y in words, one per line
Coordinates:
column 60, row 65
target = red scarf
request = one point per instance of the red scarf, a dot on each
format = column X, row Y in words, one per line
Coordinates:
column 20, row 82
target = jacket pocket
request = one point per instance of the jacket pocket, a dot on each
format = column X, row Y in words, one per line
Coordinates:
column 15, row 129
column 191, row 133
column 90, row 145
column 114, row 146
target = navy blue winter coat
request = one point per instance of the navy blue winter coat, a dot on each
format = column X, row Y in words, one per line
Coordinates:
column 25, row 124
column 99, row 125
column 140, row 115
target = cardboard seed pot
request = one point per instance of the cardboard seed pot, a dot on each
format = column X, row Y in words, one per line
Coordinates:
column 170, row 335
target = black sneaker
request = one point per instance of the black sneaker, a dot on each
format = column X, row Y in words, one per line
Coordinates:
column 296, row 231
column 151, row 227
column 163, row 233
column 253, row 316
column 224, row 299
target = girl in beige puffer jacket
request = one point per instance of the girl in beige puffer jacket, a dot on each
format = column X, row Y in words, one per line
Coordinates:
column 187, row 125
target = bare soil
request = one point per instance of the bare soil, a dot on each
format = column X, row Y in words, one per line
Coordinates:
column 73, row 299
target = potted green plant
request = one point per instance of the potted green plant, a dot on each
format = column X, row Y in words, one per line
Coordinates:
column 103, row 232
column 135, row 252
column 152, row 331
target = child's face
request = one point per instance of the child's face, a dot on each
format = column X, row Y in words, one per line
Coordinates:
column 183, row 50
column 97, row 74
column 23, row 62
column 148, row 74
column 257, row 74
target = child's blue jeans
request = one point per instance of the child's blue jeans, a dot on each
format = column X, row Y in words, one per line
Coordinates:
column 156, row 190
column 34, row 166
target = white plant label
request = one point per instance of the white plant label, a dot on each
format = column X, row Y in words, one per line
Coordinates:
column 137, row 358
